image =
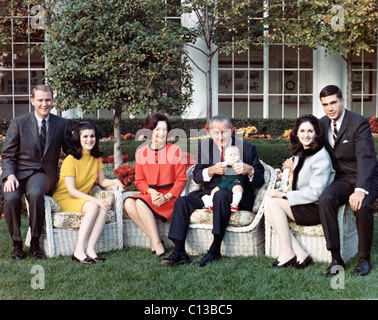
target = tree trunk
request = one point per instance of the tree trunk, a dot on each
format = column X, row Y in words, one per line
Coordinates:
column 209, row 89
column 117, row 136
column 349, row 83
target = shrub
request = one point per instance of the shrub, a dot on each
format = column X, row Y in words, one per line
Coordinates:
column 125, row 174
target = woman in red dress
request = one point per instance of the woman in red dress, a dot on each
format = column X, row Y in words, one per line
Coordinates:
column 160, row 176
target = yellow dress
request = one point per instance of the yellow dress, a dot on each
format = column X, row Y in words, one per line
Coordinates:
column 85, row 170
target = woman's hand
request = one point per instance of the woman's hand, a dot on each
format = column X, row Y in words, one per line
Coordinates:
column 275, row 193
column 118, row 184
column 155, row 197
column 158, row 199
column 103, row 204
column 288, row 164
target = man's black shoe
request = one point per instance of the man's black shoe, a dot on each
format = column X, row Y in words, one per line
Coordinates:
column 37, row 253
column 209, row 257
column 331, row 271
column 363, row 267
column 18, row 253
column 175, row 258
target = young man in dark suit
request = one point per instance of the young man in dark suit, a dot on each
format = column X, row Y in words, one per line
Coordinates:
column 350, row 144
column 30, row 157
column 208, row 172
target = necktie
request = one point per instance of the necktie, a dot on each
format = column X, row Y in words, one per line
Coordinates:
column 222, row 157
column 334, row 132
column 43, row 134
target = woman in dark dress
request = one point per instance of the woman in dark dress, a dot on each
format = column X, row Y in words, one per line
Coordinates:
column 312, row 173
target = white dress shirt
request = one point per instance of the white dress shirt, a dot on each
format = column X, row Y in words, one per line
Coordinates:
column 39, row 122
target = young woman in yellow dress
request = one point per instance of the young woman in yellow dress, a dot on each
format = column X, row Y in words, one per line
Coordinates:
column 79, row 172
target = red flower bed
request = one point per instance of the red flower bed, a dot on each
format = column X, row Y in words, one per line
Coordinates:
column 125, row 174
column 110, row 159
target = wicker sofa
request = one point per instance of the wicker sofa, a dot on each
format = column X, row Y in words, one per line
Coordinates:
column 59, row 235
column 244, row 234
column 311, row 238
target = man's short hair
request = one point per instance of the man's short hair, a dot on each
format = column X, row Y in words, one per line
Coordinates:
column 220, row 118
column 42, row 87
column 330, row 90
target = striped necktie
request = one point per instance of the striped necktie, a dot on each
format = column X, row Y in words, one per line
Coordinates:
column 43, row 134
column 334, row 133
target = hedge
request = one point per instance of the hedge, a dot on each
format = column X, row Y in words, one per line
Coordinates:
column 273, row 127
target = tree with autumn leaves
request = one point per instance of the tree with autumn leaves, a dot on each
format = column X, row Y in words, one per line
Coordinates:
column 345, row 27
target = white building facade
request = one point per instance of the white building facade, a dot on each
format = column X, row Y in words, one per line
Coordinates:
column 266, row 82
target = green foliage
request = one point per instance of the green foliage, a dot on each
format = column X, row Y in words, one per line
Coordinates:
column 338, row 25
column 109, row 52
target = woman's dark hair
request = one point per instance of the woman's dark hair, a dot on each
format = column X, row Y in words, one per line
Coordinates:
column 77, row 150
column 296, row 145
column 151, row 122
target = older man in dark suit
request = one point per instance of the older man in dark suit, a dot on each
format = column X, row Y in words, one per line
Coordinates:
column 350, row 144
column 208, row 172
column 30, row 166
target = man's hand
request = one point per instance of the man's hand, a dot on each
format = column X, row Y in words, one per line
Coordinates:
column 11, row 184
column 355, row 200
column 218, row 168
column 242, row 168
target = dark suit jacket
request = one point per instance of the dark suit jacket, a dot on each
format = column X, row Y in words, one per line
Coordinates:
column 353, row 156
column 208, row 154
column 22, row 154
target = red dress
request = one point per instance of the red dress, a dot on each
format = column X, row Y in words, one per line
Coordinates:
column 163, row 170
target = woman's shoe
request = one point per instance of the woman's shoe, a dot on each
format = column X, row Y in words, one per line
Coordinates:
column 275, row 262
column 288, row 263
column 97, row 259
column 303, row 264
column 87, row 260
column 163, row 253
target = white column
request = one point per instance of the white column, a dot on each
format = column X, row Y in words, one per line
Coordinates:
column 198, row 107
column 330, row 69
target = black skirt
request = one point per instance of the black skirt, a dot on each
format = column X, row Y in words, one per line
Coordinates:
column 306, row 214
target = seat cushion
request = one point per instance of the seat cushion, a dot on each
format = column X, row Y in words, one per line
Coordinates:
column 99, row 193
column 54, row 206
column 72, row 220
column 316, row 231
column 240, row 218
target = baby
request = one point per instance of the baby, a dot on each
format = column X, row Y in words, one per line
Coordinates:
column 230, row 180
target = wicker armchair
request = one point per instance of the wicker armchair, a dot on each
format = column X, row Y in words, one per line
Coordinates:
column 239, row 240
column 311, row 238
column 59, row 235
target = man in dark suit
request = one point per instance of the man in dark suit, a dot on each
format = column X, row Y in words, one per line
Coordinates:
column 208, row 172
column 350, row 144
column 30, row 157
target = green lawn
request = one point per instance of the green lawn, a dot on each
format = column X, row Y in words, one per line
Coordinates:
column 135, row 274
